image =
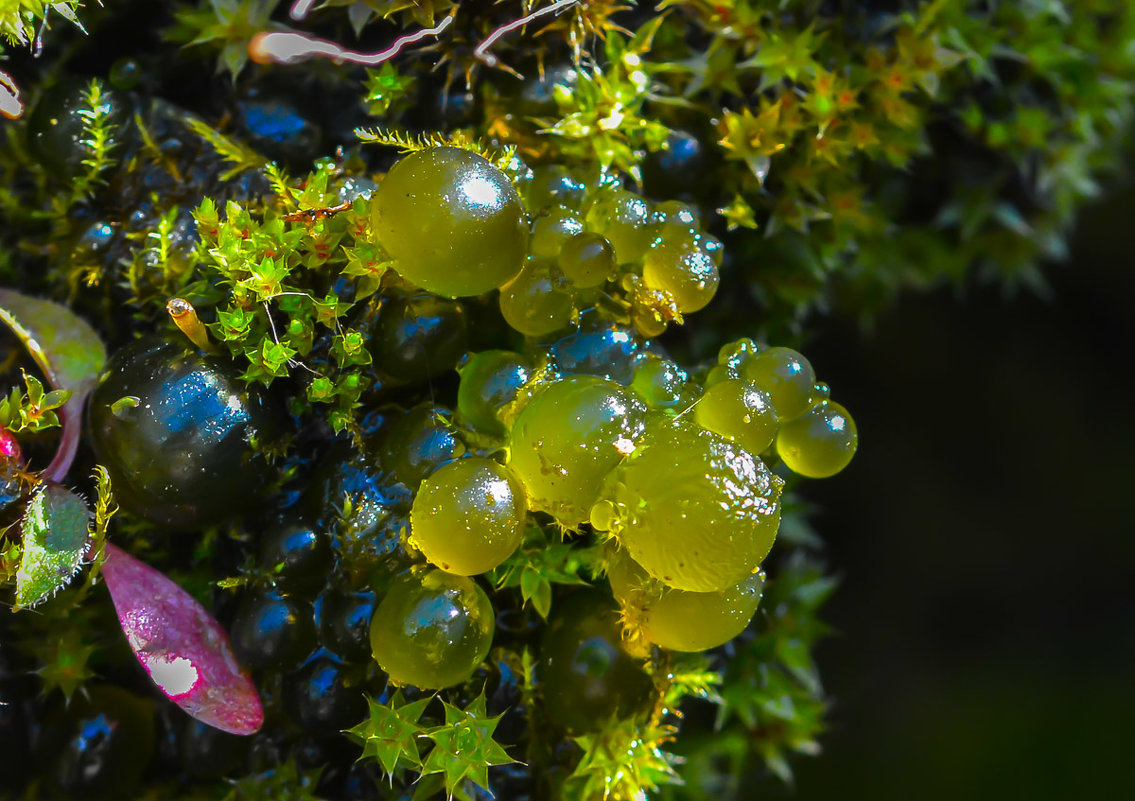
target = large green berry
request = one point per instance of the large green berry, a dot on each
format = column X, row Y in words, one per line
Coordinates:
column 820, row 443
column 469, row 516
column 452, row 221
column 568, row 438
column 432, row 629
column 680, row 620
column 177, row 432
column 696, row 511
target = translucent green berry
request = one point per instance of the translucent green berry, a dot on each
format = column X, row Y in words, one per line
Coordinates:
column 568, row 438
column 685, row 269
column 539, row 301
column 490, row 381
column 624, row 218
column 820, row 443
column 659, row 383
column 740, row 411
column 432, row 629
column 452, row 221
column 468, row 516
column 696, row 511
column 551, row 230
column 786, row 376
column 587, row 260
column 679, row 620
column 585, row 674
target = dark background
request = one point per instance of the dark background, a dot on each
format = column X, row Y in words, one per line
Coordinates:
column 985, row 626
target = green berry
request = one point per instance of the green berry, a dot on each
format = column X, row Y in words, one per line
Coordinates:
column 659, row 383
column 685, row 268
column 820, row 443
column 739, row 411
column 552, row 229
column 539, row 301
column 568, row 438
column 469, row 516
column 697, row 512
column 679, row 620
column 584, row 672
column 587, row 259
column 490, row 381
column 786, row 376
column 452, row 221
column 624, row 218
column 432, row 629
column 552, row 185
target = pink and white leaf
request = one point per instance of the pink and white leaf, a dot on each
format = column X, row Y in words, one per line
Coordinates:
column 181, row 646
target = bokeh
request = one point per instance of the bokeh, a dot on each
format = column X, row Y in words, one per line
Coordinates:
column 985, row 538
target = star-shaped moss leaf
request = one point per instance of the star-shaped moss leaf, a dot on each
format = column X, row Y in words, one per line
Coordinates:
column 464, row 748
column 391, row 731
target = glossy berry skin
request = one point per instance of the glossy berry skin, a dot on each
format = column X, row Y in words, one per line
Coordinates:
column 419, row 337
column 539, row 301
column 181, row 454
column 820, row 443
column 685, row 268
column 568, row 438
column 490, row 381
column 452, row 221
column 469, row 516
column 739, row 411
column 551, row 185
column 694, row 510
column 321, row 700
column 345, row 624
column 587, row 259
column 679, row 620
column 659, row 383
column 786, row 376
column 432, row 629
column 584, row 673
column 101, row 746
column 624, row 219
column 552, row 229
column 272, row 631
column 598, row 348
column 297, row 556
column 422, row 441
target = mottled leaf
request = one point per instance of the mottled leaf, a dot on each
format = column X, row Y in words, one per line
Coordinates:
column 68, row 351
column 181, row 646
column 54, row 542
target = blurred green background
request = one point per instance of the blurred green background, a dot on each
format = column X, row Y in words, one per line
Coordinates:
column 985, row 539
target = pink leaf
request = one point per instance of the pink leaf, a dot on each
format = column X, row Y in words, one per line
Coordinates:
column 181, row 646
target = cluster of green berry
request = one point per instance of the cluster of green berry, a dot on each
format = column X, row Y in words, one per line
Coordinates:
column 668, row 466
column 590, row 241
